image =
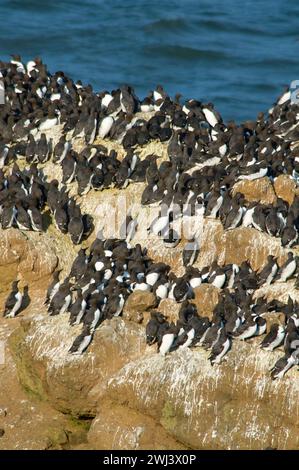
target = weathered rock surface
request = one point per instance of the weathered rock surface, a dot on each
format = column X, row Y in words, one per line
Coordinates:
column 136, row 394
column 259, row 190
column 28, row 423
column 236, row 246
column 285, row 188
column 117, row 427
column 72, row 383
column 24, row 257
column 136, row 398
column 205, row 299
column 205, row 407
column 137, row 304
column 180, row 399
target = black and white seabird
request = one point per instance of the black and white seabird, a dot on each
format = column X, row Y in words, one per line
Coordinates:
column 61, row 149
column 289, row 235
column 166, row 336
column 13, row 302
column 211, row 335
column 22, row 217
column 274, row 338
column 61, row 300
column 43, row 149
column 78, row 308
column 181, row 289
column 161, row 287
column 61, row 218
column 248, row 329
column 287, row 270
column 268, row 273
column 75, row 226
column 105, row 126
column 49, row 121
column 218, row 278
column 94, row 313
column 35, row 216
column 82, row 341
column 53, row 287
column 154, row 272
column 212, row 117
column 220, row 348
column 283, row 365
column 152, row 327
column 115, row 304
column 68, row 166
column 190, row 252
column 79, row 265
column 234, row 217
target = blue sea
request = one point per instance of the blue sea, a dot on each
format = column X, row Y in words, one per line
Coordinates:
column 238, row 55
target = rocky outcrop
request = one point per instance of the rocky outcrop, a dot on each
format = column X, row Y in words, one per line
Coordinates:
column 285, row 188
column 72, row 383
column 135, row 394
column 27, row 422
column 137, row 304
column 181, row 400
column 24, row 257
column 259, row 190
column 220, row 407
column 117, row 427
column 236, row 246
column 137, row 399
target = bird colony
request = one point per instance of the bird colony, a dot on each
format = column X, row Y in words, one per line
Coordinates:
column 205, row 158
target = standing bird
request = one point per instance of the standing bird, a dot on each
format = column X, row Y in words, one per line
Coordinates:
column 248, row 329
column 220, row 348
column 79, row 266
column 75, row 226
column 43, row 149
column 61, row 149
column 53, row 287
column 283, row 365
column 152, row 327
column 81, row 342
column 274, row 338
column 78, row 308
column 268, row 272
column 287, row 269
column 61, row 300
column 13, row 302
column 166, row 336
column 61, row 218
column 190, row 252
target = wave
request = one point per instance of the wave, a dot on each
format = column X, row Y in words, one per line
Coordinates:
column 183, row 52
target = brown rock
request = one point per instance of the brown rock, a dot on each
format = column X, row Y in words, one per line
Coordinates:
column 115, row 428
column 138, row 303
column 26, row 257
column 28, row 423
column 206, row 298
column 260, row 190
column 205, row 407
column 285, row 188
column 170, row 308
column 236, row 246
column 143, row 400
column 248, row 244
column 47, row 369
column 212, row 242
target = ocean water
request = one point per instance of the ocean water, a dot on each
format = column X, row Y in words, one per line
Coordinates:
column 238, row 55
